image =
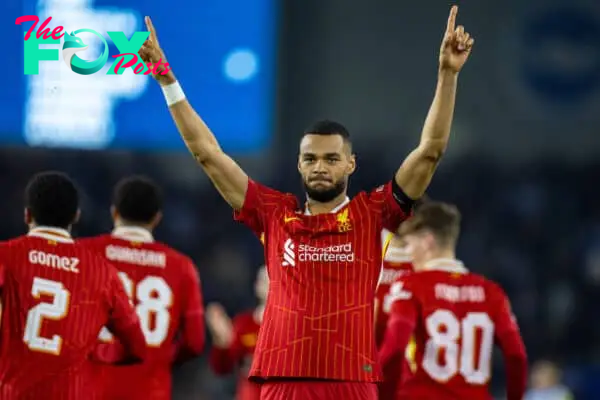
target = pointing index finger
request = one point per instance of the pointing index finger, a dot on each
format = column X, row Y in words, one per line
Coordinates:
column 452, row 19
column 150, row 28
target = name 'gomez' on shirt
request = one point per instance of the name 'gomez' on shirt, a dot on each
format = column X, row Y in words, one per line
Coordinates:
column 323, row 272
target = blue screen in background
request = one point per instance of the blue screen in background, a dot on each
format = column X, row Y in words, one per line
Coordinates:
column 222, row 51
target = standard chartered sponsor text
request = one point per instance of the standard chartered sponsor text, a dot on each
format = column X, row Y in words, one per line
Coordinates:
column 339, row 253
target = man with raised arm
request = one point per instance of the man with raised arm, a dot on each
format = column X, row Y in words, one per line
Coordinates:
column 323, row 259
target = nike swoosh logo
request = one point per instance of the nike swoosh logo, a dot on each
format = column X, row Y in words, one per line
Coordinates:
column 290, row 219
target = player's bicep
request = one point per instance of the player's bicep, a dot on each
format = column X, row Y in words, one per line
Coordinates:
column 416, row 172
column 228, row 177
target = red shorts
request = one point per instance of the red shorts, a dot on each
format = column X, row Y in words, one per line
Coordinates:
column 317, row 390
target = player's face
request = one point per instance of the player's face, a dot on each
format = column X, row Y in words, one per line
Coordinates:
column 261, row 286
column 417, row 245
column 325, row 163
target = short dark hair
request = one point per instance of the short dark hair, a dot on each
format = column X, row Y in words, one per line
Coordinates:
column 327, row 127
column 52, row 199
column 441, row 219
column 137, row 199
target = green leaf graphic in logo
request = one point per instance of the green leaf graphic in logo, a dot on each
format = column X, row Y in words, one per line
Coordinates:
column 73, row 45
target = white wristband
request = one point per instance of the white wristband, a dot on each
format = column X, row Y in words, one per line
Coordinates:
column 173, row 93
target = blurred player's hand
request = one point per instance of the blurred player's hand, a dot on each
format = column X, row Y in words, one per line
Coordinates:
column 456, row 45
column 219, row 325
column 150, row 52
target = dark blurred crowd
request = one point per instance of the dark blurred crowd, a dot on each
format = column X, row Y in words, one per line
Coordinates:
column 535, row 229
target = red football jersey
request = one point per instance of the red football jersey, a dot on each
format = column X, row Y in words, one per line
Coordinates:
column 56, row 296
column 396, row 262
column 456, row 317
column 323, row 272
column 164, row 287
column 223, row 361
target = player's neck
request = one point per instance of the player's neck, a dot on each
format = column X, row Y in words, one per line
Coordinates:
column 315, row 207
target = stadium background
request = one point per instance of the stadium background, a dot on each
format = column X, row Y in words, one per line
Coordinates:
column 523, row 163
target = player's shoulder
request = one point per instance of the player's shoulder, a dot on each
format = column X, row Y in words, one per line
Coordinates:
column 175, row 258
column 409, row 280
column 491, row 286
column 94, row 241
column 269, row 193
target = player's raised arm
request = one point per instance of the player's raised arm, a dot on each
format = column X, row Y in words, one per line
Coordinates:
column 415, row 173
column 227, row 176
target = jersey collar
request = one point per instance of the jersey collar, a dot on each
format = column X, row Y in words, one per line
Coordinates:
column 50, row 233
column 445, row 264
column 336, row 209
column 133, row 234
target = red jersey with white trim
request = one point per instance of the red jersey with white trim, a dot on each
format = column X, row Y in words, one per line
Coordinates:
column 164, row 287
column 238, row 356
column 323, row 272
column 456, row 317
column 396, row 262
column 56, row 296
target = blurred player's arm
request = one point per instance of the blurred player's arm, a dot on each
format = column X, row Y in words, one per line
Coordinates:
column 191, row 340
column 401, row 323
column 513, row 349
column 226, row 351
column 227, row 176
column 124, row 323
column 415, row 173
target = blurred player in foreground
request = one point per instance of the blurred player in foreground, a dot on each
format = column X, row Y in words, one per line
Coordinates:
column 164, row 287
column 56, row 296
column 396, row 262
column 456, row 316
column 234, row 341
column 324, row 259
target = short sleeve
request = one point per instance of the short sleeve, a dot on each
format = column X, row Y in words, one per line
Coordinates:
column 259, row 202
column 392, row 213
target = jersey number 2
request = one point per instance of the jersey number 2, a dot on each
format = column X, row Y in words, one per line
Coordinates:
column 153, row 297
column 455, row 340
column 56, row 310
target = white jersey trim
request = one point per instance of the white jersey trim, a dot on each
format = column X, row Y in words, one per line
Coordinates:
column 50, row 233
column 133, row 234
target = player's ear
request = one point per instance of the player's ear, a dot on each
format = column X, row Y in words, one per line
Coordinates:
column 27, row 218
column 77, row 216
column 351, row 164
column 156, row 220
column 114, row 213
